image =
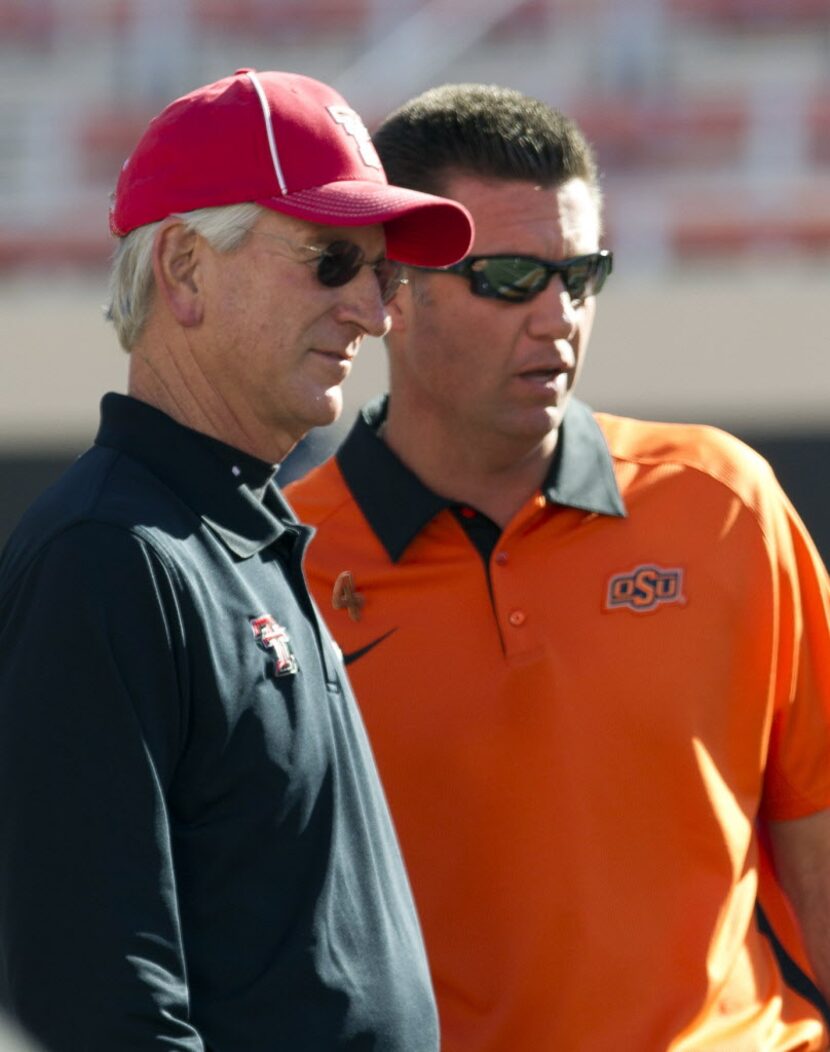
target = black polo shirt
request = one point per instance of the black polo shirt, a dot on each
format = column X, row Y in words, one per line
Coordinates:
column 195, row 851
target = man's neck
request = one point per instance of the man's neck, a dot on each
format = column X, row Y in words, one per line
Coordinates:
column 167, row 380
column 495, row 474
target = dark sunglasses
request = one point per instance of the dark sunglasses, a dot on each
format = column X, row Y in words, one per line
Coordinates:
column 340, row 262
column 520, row 278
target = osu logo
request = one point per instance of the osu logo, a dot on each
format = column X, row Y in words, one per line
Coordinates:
column 644, row 587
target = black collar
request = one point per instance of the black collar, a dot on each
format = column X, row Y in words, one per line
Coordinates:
column 218, row 483
column 397, row 505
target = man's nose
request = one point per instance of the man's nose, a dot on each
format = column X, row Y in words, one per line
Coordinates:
column 552, row 314
column 362, row 304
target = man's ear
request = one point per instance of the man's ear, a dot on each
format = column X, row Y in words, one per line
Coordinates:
column 399, row 308
column 176, row 268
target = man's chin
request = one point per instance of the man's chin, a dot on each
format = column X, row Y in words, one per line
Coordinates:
column 540, row 430
column 547, row 419
column 333, row 405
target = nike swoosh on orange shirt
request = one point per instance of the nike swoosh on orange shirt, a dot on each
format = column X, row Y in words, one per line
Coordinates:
column 355, row 655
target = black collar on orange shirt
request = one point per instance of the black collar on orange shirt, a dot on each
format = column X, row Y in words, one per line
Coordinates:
column 398, row 505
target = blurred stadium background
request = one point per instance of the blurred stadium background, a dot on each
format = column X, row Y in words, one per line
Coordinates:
column 711, row 119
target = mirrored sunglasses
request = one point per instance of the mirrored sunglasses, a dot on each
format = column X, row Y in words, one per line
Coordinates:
column 518, row 279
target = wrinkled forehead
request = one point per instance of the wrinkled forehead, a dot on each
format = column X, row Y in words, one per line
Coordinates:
column 519, row 215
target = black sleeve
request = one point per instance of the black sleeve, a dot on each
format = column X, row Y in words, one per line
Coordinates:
column 91, row 723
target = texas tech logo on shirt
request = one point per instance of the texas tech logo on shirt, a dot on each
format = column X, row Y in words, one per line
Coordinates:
column 273, row 638
column 644, row 588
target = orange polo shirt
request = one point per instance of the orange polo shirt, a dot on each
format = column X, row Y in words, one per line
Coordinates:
column 579, row 722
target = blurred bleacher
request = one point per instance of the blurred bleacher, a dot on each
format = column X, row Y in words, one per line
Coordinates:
column 711, row 117
column 711, row 120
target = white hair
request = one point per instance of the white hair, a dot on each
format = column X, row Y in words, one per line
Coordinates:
column 131, row 283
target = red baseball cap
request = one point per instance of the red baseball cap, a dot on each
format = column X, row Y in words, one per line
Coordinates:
column 289, row 143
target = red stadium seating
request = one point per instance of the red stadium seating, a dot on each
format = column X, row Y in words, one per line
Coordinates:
column 667, row 133
column 754, row 14
column 294, row 19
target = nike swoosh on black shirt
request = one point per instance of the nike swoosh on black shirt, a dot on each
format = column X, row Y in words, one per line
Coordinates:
column 355, row 655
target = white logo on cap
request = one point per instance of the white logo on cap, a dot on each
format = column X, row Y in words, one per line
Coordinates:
column 354, row 126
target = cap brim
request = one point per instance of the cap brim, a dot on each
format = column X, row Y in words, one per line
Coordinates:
column 421, row 229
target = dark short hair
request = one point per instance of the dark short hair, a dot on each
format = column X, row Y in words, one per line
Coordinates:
column 482, row 130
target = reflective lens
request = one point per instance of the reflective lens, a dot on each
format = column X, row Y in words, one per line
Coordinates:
column 340, row 262
column 520, row 278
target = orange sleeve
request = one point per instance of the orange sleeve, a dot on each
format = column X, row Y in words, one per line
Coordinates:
column 797, row 780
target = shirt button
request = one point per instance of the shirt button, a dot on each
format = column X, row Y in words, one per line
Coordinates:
column 517, row 618
column 501, row 558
